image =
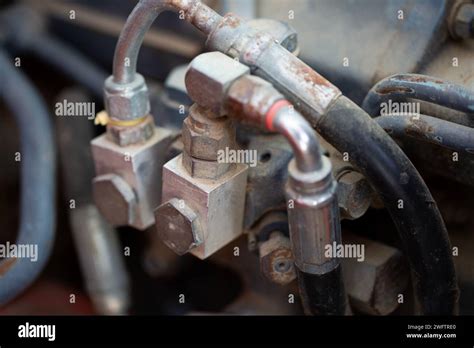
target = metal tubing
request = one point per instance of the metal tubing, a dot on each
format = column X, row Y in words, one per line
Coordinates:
column 97, row 243
column 421, row 87
column 375, row 154
column 140, row 20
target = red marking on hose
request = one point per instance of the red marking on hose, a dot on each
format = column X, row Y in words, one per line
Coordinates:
column 273, row 111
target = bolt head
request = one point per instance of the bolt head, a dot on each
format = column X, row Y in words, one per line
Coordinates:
column 115, row 199
column 208, row 78
column 204, row 137
column 354, row 195
column 276, row 259
column 177, row 226
column 463, row 26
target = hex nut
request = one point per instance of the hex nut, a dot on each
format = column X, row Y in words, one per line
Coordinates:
column 204, row 137
column 203, row 169
column 115, row 199
column 354, row 194
column 276, row 259
column 208, row 78
column 177, row 226
column 127, row 101
column 125, row 135
column 463, row 24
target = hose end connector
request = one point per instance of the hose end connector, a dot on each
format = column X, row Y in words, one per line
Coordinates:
column 126, row 101
column 313, row 215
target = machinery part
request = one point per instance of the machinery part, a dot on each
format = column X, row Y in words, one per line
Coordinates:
column 207, row 199
column 38, row 164
column 126, row 102
column 341, row 26
column 124, row 135
column 354, row 194
column 305, row 88
column 316, row 98
column 178, row 226
column 203, row 135
column 462, row 25
column 284, row 33
column 115, row 199
column 311, row 191
column 101, row 261
column 25, row 30
column 266, row 180
column 126, row 90
column 128, row 179
column 374, row 284
column 140, row 20
column 430, row 129
column 96, row 243
column 313, row 207
column 337, row 119
column 420, row 87
column 131, row 38
column 211, row 79
column 276, row 259
column 324, row 293
column 405, row 195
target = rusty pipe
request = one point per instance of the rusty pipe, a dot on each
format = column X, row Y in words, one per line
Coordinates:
column 140, row 20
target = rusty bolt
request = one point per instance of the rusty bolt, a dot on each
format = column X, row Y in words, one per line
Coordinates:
column 177, row 226
column 276, row 259
column 203, row 136
column 126, row 135
column 208, row 78
column 115, row 199
column 463, row 23
column 354, row 194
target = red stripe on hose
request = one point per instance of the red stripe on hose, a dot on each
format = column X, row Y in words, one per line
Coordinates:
column 273, row 111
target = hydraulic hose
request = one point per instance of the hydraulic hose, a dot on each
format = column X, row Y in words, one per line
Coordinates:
column 419, row 87
column 406, row 197
column 25, row 30
column 340, row 122
column 348, row 128
column 38, row 164
column 430, row 129
column 69, row 61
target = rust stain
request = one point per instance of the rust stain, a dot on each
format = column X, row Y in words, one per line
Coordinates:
column 393, row 89
column 6, row 264
column 419, row 128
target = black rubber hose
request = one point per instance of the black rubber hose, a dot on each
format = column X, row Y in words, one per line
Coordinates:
column 406, row 197
column 401, row 87
column 323, row 294
column 38, row 166
column 430, row 129
column 71, row 62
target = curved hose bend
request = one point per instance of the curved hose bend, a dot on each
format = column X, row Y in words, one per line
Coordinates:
column 38, row 164
column 406, row 197
column 421, row 87
column 140, row 20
